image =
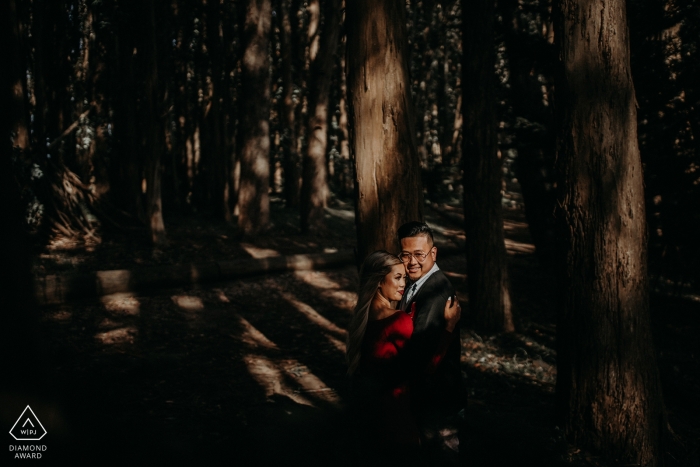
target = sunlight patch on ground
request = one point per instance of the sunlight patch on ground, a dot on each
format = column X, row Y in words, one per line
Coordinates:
column 348, row 215
column 328, row 288
column 272, row 375
column 61, row 315
column 121, row 303
column 221, row 295
column 526, row 361
column 252, row 336
column 270, row 378
column 258, row 253
column 313, row 316
column 125, row 335
column 513, row 247
column 188, row 302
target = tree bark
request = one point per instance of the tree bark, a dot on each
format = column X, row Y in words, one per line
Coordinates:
column 291, row 163
column 314, row 188
column 387, row 180
column 152, row 139
column 529, row 59
column 608, row 389
column 487, row 269
column 17, row 69
column 217, row 156
column 253, row 197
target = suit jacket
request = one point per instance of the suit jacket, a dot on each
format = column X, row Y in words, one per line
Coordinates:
column 440, row 390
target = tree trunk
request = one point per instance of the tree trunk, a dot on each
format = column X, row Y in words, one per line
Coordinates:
column 152, row 137
column 608, row 389
column 253, row 197
column 217, row 157
column 291, row 164
column 388, row 187
column 487, row 269
column 530, row 56
column 314, row 188
column 17, row 70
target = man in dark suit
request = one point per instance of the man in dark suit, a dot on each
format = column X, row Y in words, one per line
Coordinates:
column 438, row 396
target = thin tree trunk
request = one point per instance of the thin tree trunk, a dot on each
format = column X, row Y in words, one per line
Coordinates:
column 314, row 188
column 253, row 197
column 529, row 58
column 608, row 389
column 388, row 187
column 218, row 164
column 17, row 70
column 152, row 139
column 487, row 269
column 291, row 163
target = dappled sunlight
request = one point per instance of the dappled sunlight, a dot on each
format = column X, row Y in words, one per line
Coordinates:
column 319, row 320
column 221, row 295
column 123, row 335
column 328, row 288
column 258, row 253
column 523, row 357
column 62, row 315
column 518, row 248
column 121, row 304
column 188, row 302
column 273, row 375
column 253, row 337
column 345, row 214
column 270, row 378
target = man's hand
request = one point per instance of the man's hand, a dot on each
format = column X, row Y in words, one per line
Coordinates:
column 453, row 311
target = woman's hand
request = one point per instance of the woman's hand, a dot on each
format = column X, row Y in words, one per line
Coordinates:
column 453, row 311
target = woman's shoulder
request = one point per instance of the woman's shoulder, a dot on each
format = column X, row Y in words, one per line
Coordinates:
column 384, row 314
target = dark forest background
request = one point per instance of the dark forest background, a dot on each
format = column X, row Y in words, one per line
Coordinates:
column 119, row 105
column 125, row 115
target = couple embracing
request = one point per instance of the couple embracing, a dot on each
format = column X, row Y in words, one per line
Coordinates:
column 403, row 353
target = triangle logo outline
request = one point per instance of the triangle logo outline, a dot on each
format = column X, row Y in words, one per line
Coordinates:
column 23, row 416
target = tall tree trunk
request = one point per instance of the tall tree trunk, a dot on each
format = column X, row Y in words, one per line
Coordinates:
column 17, row 69
column 487, row 269
column 314, row 188
column 152, row 138
column 253, row 197
column 608, row 389
column 388, row 187
column 291, row 163
column 530, row 56
column 19, row 320
column 217, row 157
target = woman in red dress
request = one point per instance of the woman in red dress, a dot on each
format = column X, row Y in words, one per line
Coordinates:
column 380, row 364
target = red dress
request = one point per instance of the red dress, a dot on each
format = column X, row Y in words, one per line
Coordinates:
column 386, row 369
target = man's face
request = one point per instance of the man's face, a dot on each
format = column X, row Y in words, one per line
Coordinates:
column 418, row 246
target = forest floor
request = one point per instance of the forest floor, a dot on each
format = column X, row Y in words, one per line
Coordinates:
column 251, row 372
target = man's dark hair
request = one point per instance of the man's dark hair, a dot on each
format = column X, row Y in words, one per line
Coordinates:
column 416, row 229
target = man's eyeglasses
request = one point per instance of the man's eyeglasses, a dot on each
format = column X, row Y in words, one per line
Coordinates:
column 406, row 257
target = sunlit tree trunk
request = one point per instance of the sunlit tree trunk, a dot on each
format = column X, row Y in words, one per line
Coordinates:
column 487, row 270
column 314, row 189
column 388, row 186
column 253, row 198
column 608, row 390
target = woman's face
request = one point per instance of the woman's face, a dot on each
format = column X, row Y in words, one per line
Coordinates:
column 394, row 283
